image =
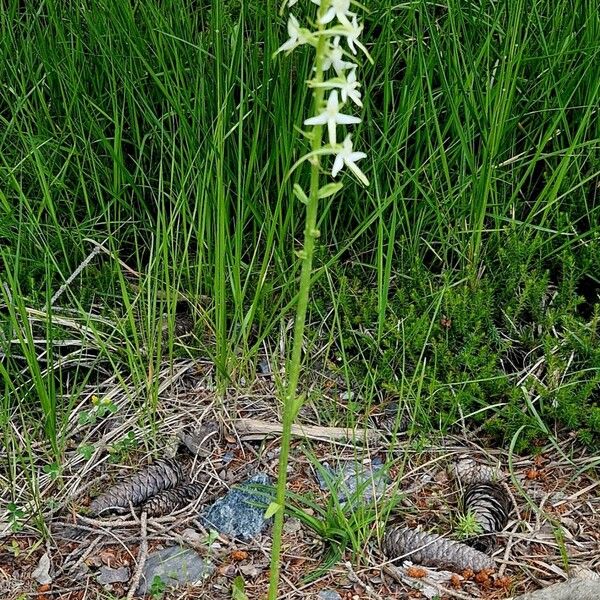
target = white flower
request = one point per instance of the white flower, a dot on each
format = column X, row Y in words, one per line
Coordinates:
column 346, row 157
column 339, row 9
column 353, row 31
column 332, row 117
column 335, row 58
column 349, row 89
column 347, row 85
column 291, row 3
column 298, row 36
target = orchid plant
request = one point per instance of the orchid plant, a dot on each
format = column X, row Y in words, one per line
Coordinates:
column 334, row 34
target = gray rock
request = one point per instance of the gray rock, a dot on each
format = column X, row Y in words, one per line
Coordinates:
column 348, row 479
column 106, row 576
column 175, row 566
column 240, row 513
column 329, row 595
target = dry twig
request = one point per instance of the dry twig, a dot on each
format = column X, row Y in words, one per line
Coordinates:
column 141, row 557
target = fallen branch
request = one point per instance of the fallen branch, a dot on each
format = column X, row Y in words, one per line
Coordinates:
column 254, row 429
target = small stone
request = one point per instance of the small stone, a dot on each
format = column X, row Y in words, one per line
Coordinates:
column 240, row 513
column 175, row 566
column 107, row 575
column 329, row 595
column 347, row 479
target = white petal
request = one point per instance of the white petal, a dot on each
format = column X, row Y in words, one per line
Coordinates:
column 289, row 45
column 359, row 174
column 354, row 156
column 293, row 26
column 332, row 131
column 318, row 120
column 346, row 119
column 332, row 102
column 328, row 16
column 355, row 95
column 338, row 163
column 341, row 65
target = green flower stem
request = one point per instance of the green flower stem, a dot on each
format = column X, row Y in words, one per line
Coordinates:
column 291, row 404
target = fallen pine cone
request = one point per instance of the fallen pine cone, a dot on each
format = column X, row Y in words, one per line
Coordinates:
column 490, row 505
column 467, row 471
column 161, row 475
column 432, row 550
column 173, row 499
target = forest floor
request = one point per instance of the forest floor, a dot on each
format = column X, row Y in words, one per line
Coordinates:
column 553, row 530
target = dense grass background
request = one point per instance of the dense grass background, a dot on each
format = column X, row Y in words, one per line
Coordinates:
column 464, row 281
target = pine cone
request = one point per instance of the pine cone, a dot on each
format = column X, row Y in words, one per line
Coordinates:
column 162, row 475
column 433, row 550
column 467, row 471
column 171, row 500
column 490, row 505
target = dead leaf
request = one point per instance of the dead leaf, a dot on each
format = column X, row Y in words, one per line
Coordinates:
column 108, row 557
column 42, row 572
